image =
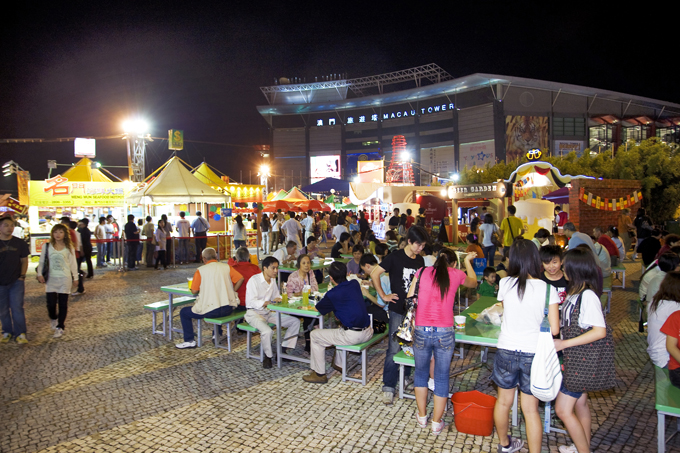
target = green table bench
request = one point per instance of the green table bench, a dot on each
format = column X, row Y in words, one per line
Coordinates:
column 162, row 307
column 403, row 360
column 359, row 349
column 217, row 322
column 620, row 269
column 250, row 330
column 667, row 403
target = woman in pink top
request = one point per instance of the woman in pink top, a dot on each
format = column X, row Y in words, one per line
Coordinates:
column 434, row 334
column 296, row 282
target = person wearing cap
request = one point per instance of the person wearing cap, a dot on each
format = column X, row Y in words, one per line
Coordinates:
column 346, row 300
column 13, row 267
column 200, row 227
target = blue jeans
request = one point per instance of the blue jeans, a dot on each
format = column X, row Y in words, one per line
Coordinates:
column 238, row 244
column 12, row 308
column 109, row 251
column 186, row 315
column 101, row 251
column 183, row 250
column 391, row 369
column 437, row 341
column 489, row 253
column 512, row 368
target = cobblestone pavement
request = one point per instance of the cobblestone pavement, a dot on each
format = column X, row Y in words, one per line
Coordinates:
column 109, row 385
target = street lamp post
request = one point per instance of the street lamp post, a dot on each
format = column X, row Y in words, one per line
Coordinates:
column 264, row 175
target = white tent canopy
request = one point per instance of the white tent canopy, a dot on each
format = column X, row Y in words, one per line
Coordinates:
column 176, row 184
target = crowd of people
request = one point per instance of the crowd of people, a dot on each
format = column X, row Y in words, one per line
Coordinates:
column 530, row 274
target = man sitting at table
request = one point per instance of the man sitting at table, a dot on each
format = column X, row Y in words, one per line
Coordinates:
column 347, row 301
column 260, row 291
column 341, row 247
column 215, row 285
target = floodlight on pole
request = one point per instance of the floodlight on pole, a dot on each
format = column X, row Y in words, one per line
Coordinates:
column 136, row 133
column 264, row 175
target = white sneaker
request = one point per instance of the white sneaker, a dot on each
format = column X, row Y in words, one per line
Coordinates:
column 58, row 332
column 422, row 421
column 437, row 428
column 570, row 449
column 53, row 324
column 430, row 384
column 186, row 345
column 388, row 397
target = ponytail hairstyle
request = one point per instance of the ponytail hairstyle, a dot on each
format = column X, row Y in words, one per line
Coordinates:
column 239, row 221
column 525, row 262
column 446, row 259
column 669, row 290
column 580, row 268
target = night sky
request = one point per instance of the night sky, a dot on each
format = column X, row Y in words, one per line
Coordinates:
column 80, row 69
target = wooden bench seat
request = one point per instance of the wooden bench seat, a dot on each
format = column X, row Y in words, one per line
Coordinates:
column 250, row 330
column 162, row 307
column 667, row 403
column 217, row 322
column 359, row 349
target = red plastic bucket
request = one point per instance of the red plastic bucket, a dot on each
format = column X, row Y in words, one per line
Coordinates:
column 473, row 412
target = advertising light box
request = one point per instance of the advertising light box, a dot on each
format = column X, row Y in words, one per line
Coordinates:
column 325, row 167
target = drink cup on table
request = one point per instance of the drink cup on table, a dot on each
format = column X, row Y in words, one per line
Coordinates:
column 190, row 281
column 459, row 322
column 305, row 295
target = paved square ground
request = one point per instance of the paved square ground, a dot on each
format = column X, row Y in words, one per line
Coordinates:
column 109, row 385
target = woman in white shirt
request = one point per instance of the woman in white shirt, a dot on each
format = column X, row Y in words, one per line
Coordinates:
column 664, row 303
column 523, row 295
column 580, row 270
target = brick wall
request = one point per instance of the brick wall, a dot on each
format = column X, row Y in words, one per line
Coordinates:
column 587, row 217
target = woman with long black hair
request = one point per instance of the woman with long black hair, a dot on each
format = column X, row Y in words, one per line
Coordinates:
column 434, row 334
column 523, row 295
column 580, row 269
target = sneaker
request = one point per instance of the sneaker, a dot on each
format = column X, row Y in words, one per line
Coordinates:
column 53, row 324
column 422, row 421
column 570, row 449
column 388, row 397
column 6, row 337
column 21, row 339
column 430, row 384
column 186, row 345
column 515, row 445
column 77, row 293
column 438, row 427
column 58, row 332
column 315, row 378
column 267, row 362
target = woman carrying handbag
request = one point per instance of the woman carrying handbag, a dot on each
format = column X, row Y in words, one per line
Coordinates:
column 58, row 269
column 587, row 347
column 434, row 336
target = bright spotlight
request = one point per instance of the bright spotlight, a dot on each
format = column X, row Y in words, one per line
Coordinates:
column 136, row 126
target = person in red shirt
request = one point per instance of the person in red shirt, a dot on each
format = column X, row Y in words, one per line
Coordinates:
column 607, row 243
column 409, row 218
column 247, row 269
column 672, row 330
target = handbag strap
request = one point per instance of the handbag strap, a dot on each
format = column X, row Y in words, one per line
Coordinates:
column 507, row 219
column 545, row 324
column 415, row 291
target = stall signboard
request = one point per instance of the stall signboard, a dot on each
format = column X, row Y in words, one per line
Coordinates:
column 488, row 190
column 175, row 139
column 245, row 193
column 85, row 147
column 59, row 191
column 371, row 171
column 22, row 182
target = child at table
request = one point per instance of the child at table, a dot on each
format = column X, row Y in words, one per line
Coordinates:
column 488, row 288
column 353, row 266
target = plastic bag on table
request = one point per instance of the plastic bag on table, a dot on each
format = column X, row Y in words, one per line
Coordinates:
column 491, row 315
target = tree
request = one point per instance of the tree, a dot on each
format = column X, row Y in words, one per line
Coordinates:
column 654, row 163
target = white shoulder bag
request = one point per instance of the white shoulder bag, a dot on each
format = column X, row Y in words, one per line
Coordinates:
column 546, row 374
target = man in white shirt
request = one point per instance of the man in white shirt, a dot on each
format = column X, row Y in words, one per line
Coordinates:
column 100, row 235
column 184, row 231
column 338, row 230
column 260, row 291
column 286, row 256
column 109, row 235
column 308, row 224
column 292, row 229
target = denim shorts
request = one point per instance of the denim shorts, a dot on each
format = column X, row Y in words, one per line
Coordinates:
column 564, row 390
column 512, row 368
